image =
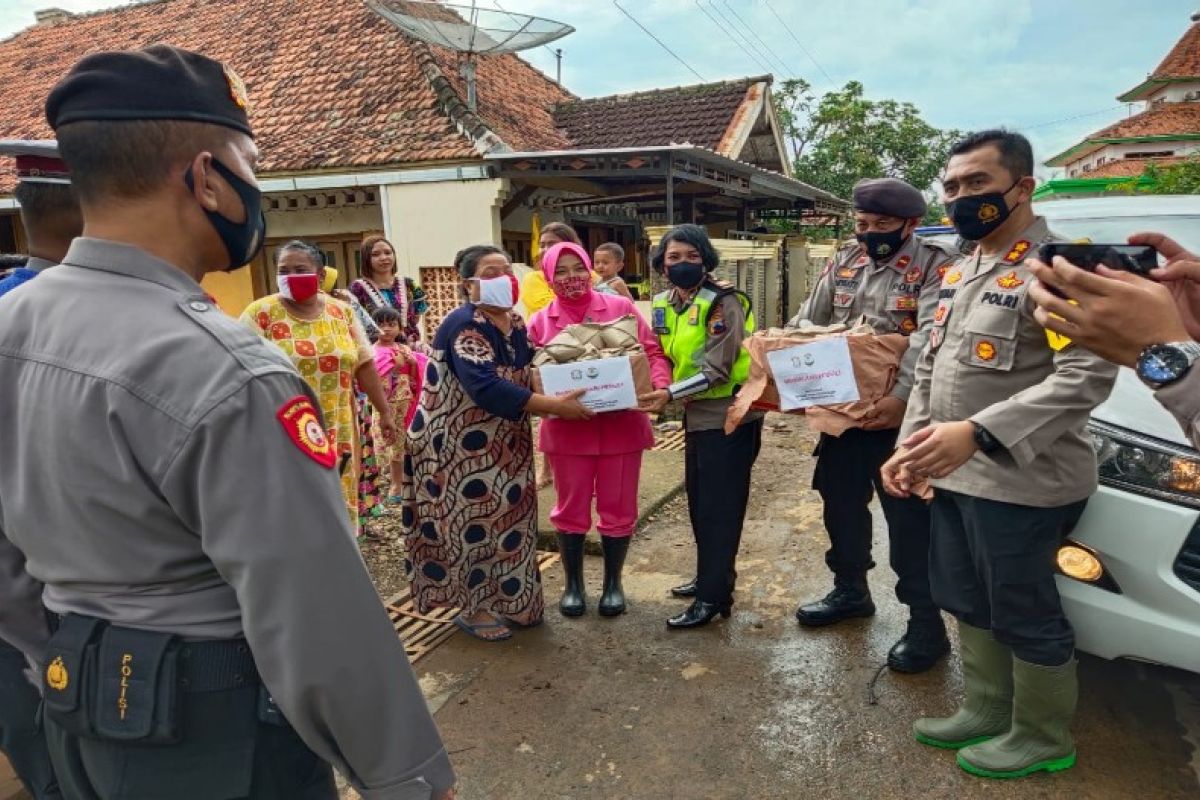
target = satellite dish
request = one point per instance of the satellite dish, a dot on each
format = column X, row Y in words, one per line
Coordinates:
column 469, row 30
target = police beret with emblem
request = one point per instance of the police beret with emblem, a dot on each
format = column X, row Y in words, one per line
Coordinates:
column 158, row 83
column 890, row 196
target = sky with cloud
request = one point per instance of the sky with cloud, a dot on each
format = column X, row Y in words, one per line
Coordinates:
column 1049, row 68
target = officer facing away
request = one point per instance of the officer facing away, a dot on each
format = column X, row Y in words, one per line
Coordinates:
column 997, row 423
column 168, row 479
column 890, row 277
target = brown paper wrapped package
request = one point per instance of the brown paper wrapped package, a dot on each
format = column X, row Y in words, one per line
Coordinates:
column 589, row 341
column 876, row 360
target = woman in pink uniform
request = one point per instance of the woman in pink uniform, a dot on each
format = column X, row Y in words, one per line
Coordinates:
column 599, row 458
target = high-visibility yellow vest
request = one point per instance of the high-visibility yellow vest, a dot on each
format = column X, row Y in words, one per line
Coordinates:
column 683, row 336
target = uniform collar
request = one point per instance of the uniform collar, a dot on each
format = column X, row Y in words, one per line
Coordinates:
column 130, row 261
column 35, row 264
column 909, row 248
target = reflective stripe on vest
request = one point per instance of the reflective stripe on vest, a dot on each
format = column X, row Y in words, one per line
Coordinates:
column 686, row 335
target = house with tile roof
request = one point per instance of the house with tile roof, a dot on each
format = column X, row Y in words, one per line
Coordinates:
column 363, row 129
column 1165, row 131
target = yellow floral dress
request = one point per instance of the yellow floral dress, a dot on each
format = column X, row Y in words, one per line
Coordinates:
column 326, row 351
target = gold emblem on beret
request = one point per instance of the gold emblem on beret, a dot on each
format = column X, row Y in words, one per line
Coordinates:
column 56, row 675
column 237, row 89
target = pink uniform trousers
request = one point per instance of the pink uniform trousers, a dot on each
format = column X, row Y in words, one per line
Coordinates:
column 612, row 480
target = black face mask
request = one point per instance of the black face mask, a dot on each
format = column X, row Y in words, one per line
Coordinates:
column 882, row 246
column 686, row 274
column 242, row 240
column 977, row 215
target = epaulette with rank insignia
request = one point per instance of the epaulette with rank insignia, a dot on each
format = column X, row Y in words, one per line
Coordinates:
column 1017, row 253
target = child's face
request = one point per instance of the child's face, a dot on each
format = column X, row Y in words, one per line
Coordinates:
column 606, row 265
column 389, row 331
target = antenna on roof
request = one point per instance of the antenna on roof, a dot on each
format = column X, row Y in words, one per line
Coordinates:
column 468, row 30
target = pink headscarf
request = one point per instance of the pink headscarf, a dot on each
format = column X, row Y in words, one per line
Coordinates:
column 550, row 262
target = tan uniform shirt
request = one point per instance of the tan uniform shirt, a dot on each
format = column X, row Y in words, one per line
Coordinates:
column 147, row 480
column 895, row 296
column 989, row 361
column 1182, row 399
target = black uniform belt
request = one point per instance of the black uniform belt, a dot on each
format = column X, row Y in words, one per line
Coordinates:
column 209, row 665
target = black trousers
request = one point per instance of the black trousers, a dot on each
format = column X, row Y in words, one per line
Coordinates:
column 717, row 477
column 846, row 476
column 992, row 566
column 226, row 754
column 20, row 738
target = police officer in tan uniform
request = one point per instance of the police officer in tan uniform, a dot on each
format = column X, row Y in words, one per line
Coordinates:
column 890, row 277
column 212, row 631
column 996, row 421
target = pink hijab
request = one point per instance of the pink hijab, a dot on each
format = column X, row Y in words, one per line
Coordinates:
column 573, row 307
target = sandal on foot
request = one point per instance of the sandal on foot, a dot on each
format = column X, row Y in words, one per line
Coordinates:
column 512, row 623
column 474, row 630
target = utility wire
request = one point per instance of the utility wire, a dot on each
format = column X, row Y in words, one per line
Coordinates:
column 767, row 51
column 728, row 31
column 737, row 37
column 1072, row 119
column 655, row 38
column 796, row 38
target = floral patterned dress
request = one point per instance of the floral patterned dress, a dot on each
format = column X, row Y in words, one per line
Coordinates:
column 326, row 352
column 403, row 295
column 469, row 504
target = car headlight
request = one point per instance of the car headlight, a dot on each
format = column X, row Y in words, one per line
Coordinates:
column 1146, row 466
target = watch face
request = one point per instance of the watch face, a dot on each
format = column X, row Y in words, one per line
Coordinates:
column 1162, row 364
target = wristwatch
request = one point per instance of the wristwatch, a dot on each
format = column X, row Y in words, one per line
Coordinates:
column 984, row 439
column 1161, row 364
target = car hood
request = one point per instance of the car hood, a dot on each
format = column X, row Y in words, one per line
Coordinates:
column 1132, row 406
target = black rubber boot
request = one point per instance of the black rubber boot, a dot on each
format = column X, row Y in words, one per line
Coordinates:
column 612, row 602
column 849, row 598
column 922, row 646
column 570, row 552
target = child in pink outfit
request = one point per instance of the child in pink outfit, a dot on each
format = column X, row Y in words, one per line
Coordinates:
column 599, row 458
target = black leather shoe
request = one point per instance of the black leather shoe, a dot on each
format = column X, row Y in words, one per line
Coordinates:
column 921, row 647
column 612, row 601
column 685, row 590
column 846, row 601
column 697, row 614
column 570, row 552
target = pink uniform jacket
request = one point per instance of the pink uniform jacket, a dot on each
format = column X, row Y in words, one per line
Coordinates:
column 614, row 432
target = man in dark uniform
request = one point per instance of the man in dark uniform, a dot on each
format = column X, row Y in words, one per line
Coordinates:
column 888, row 276
column 168, row 481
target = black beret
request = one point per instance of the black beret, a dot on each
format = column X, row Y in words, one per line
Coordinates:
column 890, row 196
column 160, row 82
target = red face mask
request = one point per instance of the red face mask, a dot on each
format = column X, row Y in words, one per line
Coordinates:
column 571, row 288
column 298, row 288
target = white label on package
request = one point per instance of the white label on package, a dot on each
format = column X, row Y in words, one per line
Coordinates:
column 815, row 374
column 608, row 381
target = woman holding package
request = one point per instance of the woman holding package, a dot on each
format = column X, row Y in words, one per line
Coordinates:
column 469, row 505
column 599, row 458
column 701, row 323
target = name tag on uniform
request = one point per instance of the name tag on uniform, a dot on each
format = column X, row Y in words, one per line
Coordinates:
column 658, row 320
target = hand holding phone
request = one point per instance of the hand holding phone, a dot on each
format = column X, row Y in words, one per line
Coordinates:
column 1140, row 259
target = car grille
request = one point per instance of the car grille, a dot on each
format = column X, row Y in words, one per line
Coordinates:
column 1187, row 563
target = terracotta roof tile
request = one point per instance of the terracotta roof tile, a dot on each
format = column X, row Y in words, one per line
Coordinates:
column 333, row 85
column 1162, row 119
column 1128, row 167
column 698, row 115
column 1184, row 59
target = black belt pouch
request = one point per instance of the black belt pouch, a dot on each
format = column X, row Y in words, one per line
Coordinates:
column 138, row 688
column 69, row 677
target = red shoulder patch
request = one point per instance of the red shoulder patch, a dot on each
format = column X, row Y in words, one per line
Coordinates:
column 302, row 424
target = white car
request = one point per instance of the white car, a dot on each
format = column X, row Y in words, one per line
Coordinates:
column 1130, row 571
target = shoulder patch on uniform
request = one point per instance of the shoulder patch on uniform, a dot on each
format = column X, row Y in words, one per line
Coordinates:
column 1017, row 253
column 302, row 424
column 716, row 321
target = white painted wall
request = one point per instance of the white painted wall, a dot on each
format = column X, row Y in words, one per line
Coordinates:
column 315, row 223
column 1118, row 151
column 1173, row 92
column 430, row 222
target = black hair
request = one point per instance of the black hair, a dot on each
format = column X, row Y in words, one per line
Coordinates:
column 694, row 235
column 132, row 158
column 561, row 231
column 386, row 314
column 12, row 261
column 1016, row 153
column 617, row 251
column 466, row 261
column 49, row 209
column 300, row 246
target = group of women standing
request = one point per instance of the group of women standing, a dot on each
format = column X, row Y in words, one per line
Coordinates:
column 467, row 491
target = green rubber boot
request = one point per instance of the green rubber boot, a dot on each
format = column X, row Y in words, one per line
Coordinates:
column 986, row 710
column 1040, row 739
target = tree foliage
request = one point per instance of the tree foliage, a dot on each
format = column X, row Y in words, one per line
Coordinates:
column 1182, row 177
column 843, row 137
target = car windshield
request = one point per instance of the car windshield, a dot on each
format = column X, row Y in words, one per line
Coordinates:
column 1110, row 230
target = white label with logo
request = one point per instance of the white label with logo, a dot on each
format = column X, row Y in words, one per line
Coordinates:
column 814, row 374
column 608, row 381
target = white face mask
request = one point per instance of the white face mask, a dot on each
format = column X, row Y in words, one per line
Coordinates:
column 498, row 292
